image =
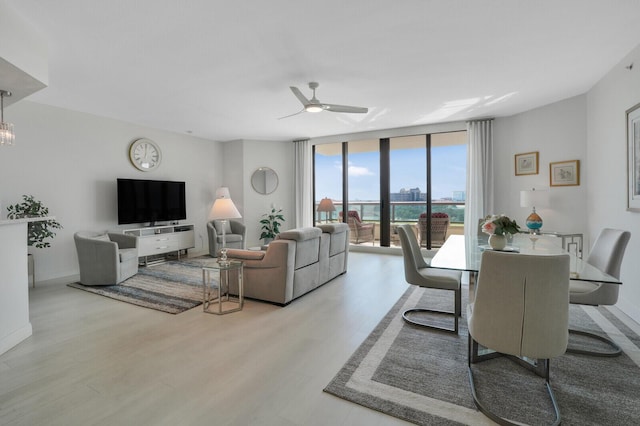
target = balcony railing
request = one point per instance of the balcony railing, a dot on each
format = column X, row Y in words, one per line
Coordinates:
column 401, row 211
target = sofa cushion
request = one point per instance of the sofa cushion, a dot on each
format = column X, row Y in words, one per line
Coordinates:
column 101, row 237
column 338, row 237
column 218, row 226
column 230, row 238
column 300, row 234
column 333, row 228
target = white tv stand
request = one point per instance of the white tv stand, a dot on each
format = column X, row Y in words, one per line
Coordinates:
column 158, row 241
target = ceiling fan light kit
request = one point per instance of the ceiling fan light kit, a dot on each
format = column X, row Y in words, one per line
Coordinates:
column 313, row 108
column 314, row 105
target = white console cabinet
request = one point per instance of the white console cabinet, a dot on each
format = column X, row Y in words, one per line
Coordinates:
column 154, row 241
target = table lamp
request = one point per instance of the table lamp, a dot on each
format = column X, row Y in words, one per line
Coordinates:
column 326, row 205
column 532, row 198
column 222, row 210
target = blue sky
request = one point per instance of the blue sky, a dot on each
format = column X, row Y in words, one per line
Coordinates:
column 407, row 171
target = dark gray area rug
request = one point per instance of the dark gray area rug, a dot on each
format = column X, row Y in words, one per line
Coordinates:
column 421, row 376
column 171, row 287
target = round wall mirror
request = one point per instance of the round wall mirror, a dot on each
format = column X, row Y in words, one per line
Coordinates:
column 264, row 180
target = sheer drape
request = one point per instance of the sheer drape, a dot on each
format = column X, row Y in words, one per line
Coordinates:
column 479, row 196
column 303, row 189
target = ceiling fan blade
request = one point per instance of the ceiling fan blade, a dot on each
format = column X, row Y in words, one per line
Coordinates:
column 345, row 108
column 291, row 115
column 300, row 96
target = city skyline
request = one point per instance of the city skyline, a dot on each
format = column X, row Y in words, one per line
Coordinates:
column 407, row 170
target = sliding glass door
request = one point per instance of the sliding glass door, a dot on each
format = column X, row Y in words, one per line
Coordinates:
column 417, row 180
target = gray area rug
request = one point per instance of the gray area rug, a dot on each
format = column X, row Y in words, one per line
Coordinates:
column 171, row 287
column 420, row 375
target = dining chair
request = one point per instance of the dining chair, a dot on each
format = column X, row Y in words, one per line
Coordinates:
column 417, row 272
column 521, row 310
column 606, row 255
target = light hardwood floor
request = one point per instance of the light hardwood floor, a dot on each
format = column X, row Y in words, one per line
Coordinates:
column 96, row 361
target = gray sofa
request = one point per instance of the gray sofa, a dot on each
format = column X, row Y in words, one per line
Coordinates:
column 296, row 262
column 106, row 259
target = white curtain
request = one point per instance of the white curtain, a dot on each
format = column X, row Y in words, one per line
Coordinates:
column 479, row 196
column 303, row 189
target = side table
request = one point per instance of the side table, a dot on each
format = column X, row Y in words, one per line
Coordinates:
column 215, row 288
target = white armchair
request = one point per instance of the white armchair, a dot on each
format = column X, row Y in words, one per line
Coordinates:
column 235, row 233
column 106, row 259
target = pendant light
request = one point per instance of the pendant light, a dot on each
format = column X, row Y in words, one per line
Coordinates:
column 6, row 129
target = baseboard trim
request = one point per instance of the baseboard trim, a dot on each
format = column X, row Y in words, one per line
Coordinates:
column 16, row 337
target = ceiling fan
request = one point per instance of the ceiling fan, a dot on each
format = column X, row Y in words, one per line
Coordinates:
column 314, row 105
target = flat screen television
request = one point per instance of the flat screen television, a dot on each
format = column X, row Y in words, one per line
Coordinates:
column 152, row 201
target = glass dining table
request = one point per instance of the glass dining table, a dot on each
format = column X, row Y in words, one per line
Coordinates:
column 457, row 254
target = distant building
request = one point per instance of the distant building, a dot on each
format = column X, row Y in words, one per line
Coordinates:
column 412, row 194
column 459, row 196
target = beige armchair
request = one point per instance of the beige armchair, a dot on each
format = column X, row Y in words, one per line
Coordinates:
column 235, row 233
column 439, row 228
column 521, row 310
column 106, row 259
column 360, row 232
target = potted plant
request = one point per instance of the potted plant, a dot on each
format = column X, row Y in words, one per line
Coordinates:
column 271, row 223
column 37, row 231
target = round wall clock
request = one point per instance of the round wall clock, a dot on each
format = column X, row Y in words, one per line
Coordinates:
column 145, row 154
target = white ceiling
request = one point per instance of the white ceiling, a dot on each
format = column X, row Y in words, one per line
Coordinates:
column 222, row 69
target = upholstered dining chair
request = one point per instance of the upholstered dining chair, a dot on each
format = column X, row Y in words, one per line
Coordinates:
column 606, row 255
column 417, row 272
column 359, row 232
column 521, row 309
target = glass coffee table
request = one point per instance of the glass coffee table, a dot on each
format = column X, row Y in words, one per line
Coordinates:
column 216, row 295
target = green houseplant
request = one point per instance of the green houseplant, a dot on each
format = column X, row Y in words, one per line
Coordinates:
column 271, row 223
column 37, row 232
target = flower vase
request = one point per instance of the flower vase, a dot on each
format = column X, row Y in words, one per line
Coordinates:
column 497, row 242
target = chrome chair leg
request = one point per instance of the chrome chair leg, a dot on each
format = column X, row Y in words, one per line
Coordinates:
column 457, row 313
column 541, row 370
column 615, row 352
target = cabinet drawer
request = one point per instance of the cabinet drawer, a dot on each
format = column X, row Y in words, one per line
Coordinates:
column 165, row 243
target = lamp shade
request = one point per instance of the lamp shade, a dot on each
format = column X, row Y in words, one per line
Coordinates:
column 326, row 205
column 223, row 207
column 534, row 198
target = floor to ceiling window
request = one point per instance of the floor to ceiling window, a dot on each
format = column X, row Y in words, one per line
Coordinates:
column 328, row 181
column 363, row 189
column 407, row 181
column 387, row 182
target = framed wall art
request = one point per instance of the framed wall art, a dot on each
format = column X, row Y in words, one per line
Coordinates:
column 633, row 159
column 527, row 163
column 564, row 173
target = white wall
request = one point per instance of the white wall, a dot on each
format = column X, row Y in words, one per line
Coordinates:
column 558, row 132
column 607, row 102
column 249, row 155
column 71, row 160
